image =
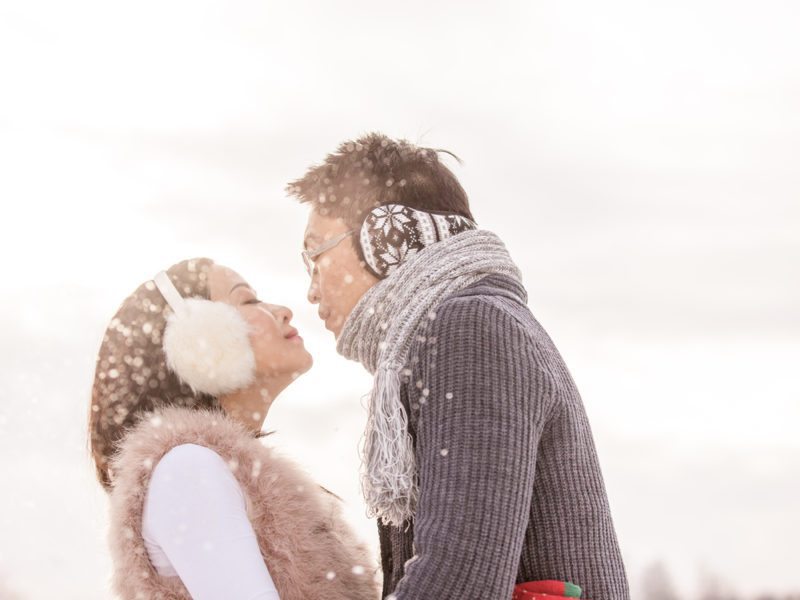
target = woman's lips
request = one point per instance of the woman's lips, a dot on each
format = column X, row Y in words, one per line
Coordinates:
column 293, row 335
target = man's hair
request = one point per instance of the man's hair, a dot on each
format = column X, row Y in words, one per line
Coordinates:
column 375, row 170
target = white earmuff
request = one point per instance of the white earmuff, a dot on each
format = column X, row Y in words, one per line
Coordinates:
column 206, row 343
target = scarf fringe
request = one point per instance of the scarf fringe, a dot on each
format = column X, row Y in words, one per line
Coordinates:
column 389, row 481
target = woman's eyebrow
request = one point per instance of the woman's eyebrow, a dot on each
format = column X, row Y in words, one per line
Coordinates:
column 238, row 285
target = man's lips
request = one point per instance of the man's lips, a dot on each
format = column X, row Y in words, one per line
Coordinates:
column 291, row 334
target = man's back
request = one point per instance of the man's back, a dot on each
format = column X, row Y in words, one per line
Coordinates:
column 510, row 484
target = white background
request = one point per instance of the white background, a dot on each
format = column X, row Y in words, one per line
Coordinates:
column 640, row 159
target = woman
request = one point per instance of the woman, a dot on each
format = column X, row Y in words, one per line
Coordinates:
column 200, row 508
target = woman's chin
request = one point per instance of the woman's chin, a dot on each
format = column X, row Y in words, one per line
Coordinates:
column 304, row 363
column 309, row 362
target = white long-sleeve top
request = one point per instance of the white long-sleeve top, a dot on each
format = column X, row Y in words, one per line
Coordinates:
column 195, row 526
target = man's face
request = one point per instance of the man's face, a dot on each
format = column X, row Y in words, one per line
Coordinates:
column 339, row 278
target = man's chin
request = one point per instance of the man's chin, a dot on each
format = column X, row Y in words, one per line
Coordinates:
column 334, row 328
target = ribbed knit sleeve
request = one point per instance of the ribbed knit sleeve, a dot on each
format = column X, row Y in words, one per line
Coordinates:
column 479, row 411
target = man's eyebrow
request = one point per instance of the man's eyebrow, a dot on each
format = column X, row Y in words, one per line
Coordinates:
column 238, row 285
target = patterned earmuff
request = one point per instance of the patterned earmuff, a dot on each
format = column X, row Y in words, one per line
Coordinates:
column 206, row 343
column 393, row 232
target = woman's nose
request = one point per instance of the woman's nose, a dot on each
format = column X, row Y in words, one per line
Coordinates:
column 283, row 314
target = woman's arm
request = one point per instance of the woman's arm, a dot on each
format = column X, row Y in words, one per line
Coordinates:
column 195, row 518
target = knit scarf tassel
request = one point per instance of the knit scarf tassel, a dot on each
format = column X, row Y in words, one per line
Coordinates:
column 390, row 488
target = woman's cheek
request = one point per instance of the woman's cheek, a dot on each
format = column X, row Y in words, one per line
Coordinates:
column 264, row 331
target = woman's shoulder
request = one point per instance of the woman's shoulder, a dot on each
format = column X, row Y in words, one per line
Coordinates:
column 188, row 478
column 189, row 455
column 168, row 430
column 190, row 465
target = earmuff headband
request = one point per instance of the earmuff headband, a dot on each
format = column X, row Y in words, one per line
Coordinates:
column 170, row 292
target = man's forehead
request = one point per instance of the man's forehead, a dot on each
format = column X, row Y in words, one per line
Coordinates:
column 321, row 228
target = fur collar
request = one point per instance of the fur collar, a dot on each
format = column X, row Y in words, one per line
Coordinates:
column 298, row 525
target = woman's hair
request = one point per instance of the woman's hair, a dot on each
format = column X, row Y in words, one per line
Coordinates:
column 131, row 376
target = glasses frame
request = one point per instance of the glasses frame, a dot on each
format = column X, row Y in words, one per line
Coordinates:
column 310, row 256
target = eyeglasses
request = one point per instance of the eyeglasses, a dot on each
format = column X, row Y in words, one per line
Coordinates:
column 310, row 256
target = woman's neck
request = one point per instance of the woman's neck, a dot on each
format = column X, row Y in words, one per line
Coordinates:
column 250, row 405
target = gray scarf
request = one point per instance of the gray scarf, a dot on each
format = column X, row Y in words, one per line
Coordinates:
column 379, row 333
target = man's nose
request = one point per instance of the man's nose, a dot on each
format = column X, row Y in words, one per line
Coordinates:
column 313, row 291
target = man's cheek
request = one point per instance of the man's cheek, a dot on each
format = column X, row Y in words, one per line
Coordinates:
column 333, row 289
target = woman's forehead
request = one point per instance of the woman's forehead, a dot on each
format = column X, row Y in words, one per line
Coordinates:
column 222, row 281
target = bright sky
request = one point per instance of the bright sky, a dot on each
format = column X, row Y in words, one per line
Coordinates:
column 638, row 157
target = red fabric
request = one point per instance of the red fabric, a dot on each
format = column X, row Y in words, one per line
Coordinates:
column 540, row 590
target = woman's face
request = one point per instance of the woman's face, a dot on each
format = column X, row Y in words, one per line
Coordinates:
column 278, row 349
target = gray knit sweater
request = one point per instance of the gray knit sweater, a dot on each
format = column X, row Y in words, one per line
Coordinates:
column 510, row 485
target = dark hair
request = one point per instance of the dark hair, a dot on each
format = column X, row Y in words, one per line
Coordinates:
column 375, row 170
column 131, row 376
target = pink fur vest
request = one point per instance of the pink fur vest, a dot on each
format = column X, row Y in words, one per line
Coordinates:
column 302, row 536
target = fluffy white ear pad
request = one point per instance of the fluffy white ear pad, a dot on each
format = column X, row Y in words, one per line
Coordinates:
column 208, row 347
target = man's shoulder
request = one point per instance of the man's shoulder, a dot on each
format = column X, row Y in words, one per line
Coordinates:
column 494, row 307
column 495, row 299
column 495, row 285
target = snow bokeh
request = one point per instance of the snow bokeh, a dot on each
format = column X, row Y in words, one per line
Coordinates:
column 639, row 159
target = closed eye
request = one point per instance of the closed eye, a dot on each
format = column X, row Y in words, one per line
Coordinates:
column 253, row 301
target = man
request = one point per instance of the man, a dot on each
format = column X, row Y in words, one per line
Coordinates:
column 478, row 458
